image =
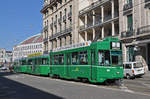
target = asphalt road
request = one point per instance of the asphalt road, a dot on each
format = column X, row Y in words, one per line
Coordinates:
column 23, row 86
column 141, row 84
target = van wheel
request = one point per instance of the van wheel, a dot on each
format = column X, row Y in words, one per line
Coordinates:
column 128, row 76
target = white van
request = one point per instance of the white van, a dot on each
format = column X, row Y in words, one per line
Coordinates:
column 133, row 69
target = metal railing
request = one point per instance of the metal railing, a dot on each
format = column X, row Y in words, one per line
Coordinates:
column 97, row 22
column 45, row 39
column 59, row 20
column 82, row 27
column 92, row 6
column 69, row 15
column 45, row 28
column 106, row 18
column 143, row 30
column 127, row 34
column 45, row 52
column 147, row 1
column 48, row 4
column 64, row 18
column 51, row 25
column 66, row 31
column 128, row 6
column 55, row 23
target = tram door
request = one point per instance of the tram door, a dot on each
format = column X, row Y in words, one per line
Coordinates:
column 51, row 64
column 93, row 67
column 68, row 63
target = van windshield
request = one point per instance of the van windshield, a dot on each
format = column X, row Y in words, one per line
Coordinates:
column 116, row 58
column 137, row 65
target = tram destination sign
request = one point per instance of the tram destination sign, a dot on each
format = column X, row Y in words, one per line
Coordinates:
column 115, row 45
column 78, row 45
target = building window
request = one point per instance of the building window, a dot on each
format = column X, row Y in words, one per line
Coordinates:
column 130, row 22
column 130, row 54
column 65, row 40
column 83, row 57
column 70, row 39
column 60, row 42
column 70, row 15
column 129, row 1
column 74, row 58
column 60, row 2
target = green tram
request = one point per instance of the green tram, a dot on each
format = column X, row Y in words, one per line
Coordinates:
column 35, row 65
column 96, row 62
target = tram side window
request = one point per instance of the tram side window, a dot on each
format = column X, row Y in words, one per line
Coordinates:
column 23, row 62
column 59, row 59
column 83, row 57
column 75, row 58
column 45, row 61
column 30, row 62
column 56, row 60
column 104, row 58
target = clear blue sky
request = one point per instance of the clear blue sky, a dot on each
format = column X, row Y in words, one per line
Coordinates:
column 19, row 19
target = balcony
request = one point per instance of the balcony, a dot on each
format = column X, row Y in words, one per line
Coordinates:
column 88, row 26
column 147, row 1
column 145, row 30
column 127, row 7
column 92, row 6
column 98, row 22
column 127, row 34
column 108, row 17
column 45, row 28
column 147, row 4
column 59, row 20
column 61, row 33
column 64, row 18
column 48, row 4
column 51, row 25
column 55, row 23
column 45, row 39
column 45, row 52
column 70, row 15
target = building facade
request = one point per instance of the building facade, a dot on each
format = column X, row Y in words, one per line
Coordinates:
column 29, row 46
column 135, row 30
column 5, row 57
column 2, row 55
column 67, row 22
column 99, row 19
column 59, row 28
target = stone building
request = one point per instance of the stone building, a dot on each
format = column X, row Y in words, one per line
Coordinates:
column 59, row 23
column 67, row 22
column 5, row 57
column 29, row 46
column 2, row 55
column 134, row 20
column 99, row 19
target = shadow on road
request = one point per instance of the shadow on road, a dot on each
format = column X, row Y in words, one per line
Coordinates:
column 10, row 89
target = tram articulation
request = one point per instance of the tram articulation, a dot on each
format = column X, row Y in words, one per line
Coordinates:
column 96, row 62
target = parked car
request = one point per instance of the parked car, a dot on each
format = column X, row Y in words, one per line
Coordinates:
column 4, row 68
column 133, row 69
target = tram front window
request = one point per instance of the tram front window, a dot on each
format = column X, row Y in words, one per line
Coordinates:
column 104, row 58
column 116, row 58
